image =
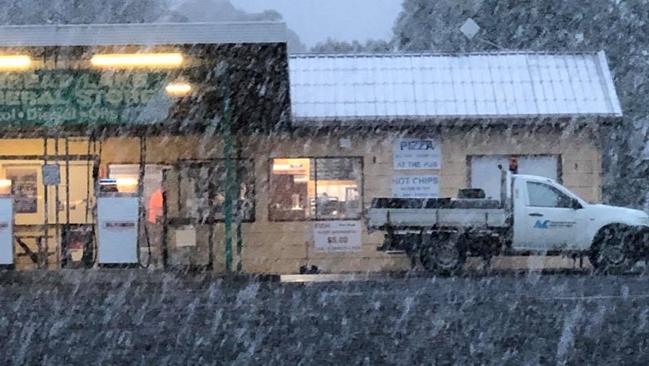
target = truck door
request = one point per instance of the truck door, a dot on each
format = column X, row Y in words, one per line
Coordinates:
column 545, row 219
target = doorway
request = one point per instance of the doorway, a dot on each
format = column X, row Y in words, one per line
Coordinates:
column 194, row 198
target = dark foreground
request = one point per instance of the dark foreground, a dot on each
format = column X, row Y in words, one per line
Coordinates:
column 131, row 317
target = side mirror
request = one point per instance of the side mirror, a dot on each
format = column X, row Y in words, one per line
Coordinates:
column 575, row 205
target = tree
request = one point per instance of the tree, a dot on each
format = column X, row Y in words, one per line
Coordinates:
column 617, row 27
column 222, row 10
column 86, row 11
column 432, row 25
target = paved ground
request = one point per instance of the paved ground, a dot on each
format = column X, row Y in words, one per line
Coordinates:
column 133, row 317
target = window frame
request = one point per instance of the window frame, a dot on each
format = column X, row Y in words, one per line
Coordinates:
column 552, row 188
column 360, row 159
column 179, row 164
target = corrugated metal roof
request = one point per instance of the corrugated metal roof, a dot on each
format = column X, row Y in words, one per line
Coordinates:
column 437, row 86
column 142, row 34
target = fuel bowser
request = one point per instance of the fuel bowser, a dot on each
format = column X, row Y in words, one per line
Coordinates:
column 117, row 223
column 6, row 225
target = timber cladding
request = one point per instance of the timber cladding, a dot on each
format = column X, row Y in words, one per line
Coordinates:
column 283, row 246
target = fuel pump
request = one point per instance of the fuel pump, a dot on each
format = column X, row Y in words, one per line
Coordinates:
column 6, row 225
column 117, row 222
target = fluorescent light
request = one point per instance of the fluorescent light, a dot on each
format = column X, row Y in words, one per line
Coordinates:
column 132, row 60
column 178, row 89
column 15, row 62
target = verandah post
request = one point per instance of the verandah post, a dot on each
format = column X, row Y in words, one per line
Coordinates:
column 226, row 133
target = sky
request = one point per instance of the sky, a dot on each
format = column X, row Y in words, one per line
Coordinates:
column 316, row 20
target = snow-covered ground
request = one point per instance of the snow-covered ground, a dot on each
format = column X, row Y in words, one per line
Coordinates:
column 134, row 317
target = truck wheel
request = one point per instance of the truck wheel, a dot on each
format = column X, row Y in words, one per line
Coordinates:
column 441, row 254
column 609, row 253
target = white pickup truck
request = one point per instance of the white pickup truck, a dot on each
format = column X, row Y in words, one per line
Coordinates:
column 534, row 215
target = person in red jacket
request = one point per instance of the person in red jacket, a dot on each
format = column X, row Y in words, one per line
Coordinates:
column 155, row 207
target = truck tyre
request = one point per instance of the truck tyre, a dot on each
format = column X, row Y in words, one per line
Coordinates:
column 442, row 254
column 609, row 253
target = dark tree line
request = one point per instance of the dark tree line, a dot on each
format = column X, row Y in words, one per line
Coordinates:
column 370, row 46
column 85, row 11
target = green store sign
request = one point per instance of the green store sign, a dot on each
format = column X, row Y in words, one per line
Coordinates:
column 60, row 97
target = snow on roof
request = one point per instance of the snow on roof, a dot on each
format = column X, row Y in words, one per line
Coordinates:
column 446, row 86
column 149, row 34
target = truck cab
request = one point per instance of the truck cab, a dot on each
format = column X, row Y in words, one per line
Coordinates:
column 549, row 217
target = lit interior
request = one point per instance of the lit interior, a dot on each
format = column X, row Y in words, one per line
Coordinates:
column 126, row 185
column 296, row 191
column 135, row 60
column 5, row 186
column 15, row 62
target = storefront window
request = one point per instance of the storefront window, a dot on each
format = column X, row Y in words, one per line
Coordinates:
column 202, row 190
column 244, row 190
column 315, row 189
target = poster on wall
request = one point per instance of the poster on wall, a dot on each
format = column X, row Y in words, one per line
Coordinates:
column 414, row 154
column 415, row 186
column 337, row 236
column 24, row 187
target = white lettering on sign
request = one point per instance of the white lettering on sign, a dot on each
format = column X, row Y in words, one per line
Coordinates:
column 413, row 154
column 415, row 186
column 337, row 236
column 60, row 96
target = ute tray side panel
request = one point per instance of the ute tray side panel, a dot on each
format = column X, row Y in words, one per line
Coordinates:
column 435, row 203
column 442, row 212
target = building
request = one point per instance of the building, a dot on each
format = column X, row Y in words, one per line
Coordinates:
column 313, row 139
column 99, row 100
column 419, row 125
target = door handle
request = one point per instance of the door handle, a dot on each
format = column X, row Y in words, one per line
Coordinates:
column 536, row 214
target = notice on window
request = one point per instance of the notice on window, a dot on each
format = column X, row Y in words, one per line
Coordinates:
column 186, row 237
column 414, row 154
column 51, row 174
column 415, row 186
column 337, row 236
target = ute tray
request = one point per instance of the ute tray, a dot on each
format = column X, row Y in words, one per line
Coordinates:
column 434, row 203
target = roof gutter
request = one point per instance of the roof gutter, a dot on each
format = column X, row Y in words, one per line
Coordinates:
column 142, row 34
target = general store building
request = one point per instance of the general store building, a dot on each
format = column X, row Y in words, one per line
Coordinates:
column 316, row 138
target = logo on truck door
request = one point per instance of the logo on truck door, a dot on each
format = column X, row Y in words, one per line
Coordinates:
column 547, row 224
